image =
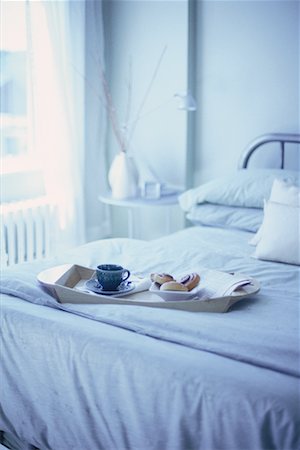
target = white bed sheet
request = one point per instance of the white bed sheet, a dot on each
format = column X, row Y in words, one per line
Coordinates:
column 162, row 379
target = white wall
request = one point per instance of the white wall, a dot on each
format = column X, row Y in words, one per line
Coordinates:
column 139, row 30
column 247, row 78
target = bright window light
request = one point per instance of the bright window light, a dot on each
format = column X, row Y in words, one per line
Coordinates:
column 14, row 92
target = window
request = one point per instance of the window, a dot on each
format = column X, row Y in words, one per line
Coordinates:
column 41, row 109
column 14, row 82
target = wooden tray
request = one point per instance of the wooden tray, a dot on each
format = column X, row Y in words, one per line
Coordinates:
column 66, row 283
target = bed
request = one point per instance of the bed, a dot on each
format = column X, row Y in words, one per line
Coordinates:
column 100, row 376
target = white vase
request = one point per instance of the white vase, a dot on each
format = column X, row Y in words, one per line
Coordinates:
column 123, row 177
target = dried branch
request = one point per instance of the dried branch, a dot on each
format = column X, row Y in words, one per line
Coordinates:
column 138, row 116
column 112, row 112
column 122, row 134
column 129, row 95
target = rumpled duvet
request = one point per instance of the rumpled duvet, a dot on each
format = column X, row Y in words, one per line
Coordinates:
column 260, row 332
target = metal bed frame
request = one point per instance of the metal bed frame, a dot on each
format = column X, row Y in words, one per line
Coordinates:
column 281, row 138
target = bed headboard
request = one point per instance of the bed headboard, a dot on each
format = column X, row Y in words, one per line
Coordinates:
column 281, row 138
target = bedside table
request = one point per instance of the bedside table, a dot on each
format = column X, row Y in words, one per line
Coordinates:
column 141, row 202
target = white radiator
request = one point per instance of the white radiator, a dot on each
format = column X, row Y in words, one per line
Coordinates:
column 27, row 230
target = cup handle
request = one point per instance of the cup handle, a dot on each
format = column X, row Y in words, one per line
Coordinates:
column 125, row 275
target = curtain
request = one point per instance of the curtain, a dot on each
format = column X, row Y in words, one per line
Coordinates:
column 57, row 115
column 57, row 39
column 97, row 214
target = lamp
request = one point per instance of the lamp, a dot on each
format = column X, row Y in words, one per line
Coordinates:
column 187, row 101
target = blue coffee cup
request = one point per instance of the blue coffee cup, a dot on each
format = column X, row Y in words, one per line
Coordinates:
column 110, row 276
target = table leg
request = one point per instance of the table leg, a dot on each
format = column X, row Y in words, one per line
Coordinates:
column 130, row 223
column 168, row 217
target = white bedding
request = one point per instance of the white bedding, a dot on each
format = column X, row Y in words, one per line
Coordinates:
column 143, row 378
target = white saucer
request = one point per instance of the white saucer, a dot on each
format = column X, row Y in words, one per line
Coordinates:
column 123, row 288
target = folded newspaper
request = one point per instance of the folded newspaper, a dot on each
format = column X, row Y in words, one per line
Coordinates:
column 215, row 284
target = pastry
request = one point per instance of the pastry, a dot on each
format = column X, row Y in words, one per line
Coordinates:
column 190, row 281
column 167, row 283
column 161, row 278
column 173, row 286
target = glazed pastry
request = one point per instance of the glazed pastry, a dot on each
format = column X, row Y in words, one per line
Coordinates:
column 173, row 286
column 161, row 278
column 190, row 281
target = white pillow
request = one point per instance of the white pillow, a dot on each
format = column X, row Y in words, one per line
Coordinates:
column 284, row 193
column 244, row 188
column 280, row 235
column 220, row 216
